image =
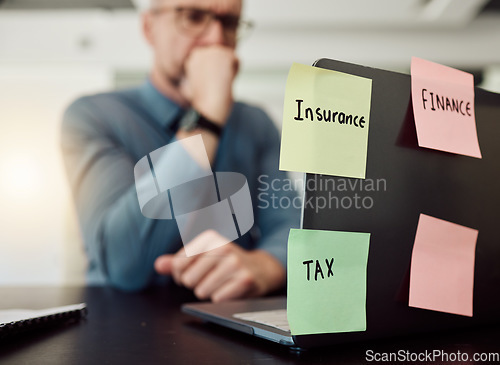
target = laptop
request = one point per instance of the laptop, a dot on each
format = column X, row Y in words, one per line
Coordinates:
column 416, row 180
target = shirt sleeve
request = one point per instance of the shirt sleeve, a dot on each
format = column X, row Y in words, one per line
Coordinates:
column 278, row 204
column 121, row 243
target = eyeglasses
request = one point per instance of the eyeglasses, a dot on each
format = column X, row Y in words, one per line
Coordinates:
column 195, row 22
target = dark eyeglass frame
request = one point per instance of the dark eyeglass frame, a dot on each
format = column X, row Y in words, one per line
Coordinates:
column 232, row 24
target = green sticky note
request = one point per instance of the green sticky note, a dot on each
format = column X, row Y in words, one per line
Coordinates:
column 325, row 122
column 326, row 281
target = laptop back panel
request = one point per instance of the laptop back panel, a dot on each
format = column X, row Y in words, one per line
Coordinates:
column 403, row 181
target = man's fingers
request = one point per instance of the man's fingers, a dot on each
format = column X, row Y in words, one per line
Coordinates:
column 182, row 262
column 223, row 272
column 163, row 264
column 239, row 287
column 200, row 243
column 194, row 273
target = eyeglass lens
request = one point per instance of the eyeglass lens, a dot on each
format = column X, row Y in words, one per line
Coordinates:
column 197, row 20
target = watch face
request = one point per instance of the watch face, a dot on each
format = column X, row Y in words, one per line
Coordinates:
column 190, row 120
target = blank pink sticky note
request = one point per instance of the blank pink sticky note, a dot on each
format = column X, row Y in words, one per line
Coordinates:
column 443, row 106
column 442, row 266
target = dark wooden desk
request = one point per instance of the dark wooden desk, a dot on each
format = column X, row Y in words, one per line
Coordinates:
column 148, row 328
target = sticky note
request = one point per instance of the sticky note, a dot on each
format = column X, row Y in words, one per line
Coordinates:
column 443, row 106
column 442, row 266
column 326, row 281
column 326, row 117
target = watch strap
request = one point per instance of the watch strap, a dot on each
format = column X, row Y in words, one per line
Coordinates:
column 209, row 125
column 192, row 119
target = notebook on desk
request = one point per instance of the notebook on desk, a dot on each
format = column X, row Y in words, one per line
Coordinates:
column 453, row 187
column 16, row 321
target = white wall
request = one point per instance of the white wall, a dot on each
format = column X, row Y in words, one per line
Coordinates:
column 48, row 58
column 37, row 227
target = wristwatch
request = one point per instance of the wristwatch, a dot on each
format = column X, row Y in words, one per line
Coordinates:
column 192, row 120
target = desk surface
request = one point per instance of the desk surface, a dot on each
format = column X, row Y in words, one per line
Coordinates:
column 148, row 328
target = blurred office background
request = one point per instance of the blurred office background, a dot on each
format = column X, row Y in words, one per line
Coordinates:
column 52, row 51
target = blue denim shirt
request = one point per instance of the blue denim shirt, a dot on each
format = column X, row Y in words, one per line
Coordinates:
column 103, row 137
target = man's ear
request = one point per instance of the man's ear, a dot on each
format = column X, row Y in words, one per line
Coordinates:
column 147, row 27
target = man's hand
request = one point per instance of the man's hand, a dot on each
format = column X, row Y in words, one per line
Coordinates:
column 227, row 272
column 209, row 75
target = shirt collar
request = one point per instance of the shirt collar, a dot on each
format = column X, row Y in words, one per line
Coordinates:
column 164, row 110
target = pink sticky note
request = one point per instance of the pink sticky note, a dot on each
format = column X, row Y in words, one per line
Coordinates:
column 442, row 266
column 443, row 106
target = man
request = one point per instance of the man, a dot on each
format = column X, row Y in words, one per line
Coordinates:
column 105, row 135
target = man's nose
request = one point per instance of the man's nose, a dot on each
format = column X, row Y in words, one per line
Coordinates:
column 215, row 35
